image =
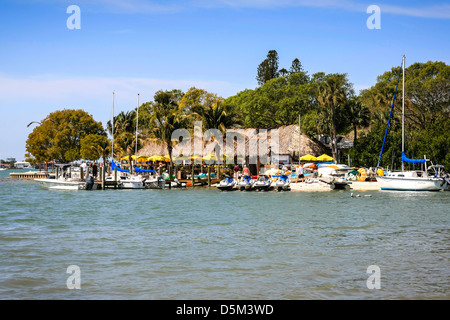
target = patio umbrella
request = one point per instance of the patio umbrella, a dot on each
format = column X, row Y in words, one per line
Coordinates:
column 325, row 157
column 308, row 157
column 156, row 158
column 142, row 158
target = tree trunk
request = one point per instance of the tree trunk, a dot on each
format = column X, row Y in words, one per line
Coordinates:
column 334, row 135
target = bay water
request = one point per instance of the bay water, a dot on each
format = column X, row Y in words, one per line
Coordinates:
column 206, row 244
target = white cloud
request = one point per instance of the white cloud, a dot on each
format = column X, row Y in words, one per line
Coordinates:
column 436, row 11
column 441, row 11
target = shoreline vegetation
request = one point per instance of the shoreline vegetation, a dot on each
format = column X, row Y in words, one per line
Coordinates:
column 325, row 105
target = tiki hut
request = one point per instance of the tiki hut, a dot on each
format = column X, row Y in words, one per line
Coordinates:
column 244, row 144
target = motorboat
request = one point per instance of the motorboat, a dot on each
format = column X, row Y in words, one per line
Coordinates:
column 132, row 181
column 155, row 183
column 283, row 183
column 246, row 183
column 226, row 184
column 263, row 183
column 65, row 180
column 177, row 184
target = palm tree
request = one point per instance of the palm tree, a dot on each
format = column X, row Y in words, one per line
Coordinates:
column 168, row 117
column 216, row 115
column 333, row 93
column 359, row 116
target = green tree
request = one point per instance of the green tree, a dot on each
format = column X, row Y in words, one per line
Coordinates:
column 168, row 116
column 94, row 147
column 210, row 109
column 333, row 95
column 268, row 68
column 296, row 66
column 60, row 138
column 427, row 112
column 359, row 116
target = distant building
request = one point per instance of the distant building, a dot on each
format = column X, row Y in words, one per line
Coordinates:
column 22, row 165
column 10, row 159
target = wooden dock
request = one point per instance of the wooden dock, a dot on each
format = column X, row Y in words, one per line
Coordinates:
column 30, row 175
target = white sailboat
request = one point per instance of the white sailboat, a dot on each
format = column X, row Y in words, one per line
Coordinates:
column 412, row 180
column 125, row 179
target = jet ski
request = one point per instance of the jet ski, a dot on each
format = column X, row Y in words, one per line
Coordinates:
column 263, row 183
column 226, row 184
column 246, row 183
column 283, row 183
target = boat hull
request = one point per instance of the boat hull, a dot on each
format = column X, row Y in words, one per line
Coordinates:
column 132, row 184
column 411, row 184
column 225, row 187
column 55, row 184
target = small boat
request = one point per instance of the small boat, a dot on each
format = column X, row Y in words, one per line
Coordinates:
column 132, row 182
column 283, row 183
column 226, row 184
column 263, row 183
column 160, row 183
column 155, row 183
column 177, row 184
column 65, row 180
column 246, row 183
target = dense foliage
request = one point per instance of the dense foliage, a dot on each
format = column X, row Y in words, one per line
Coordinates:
column 59, row 136
column 326, row 103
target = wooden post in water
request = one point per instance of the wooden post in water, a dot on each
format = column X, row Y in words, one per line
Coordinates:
column 170, row 177
column 103, row 175
column 192, row 176
column 81, row 173
column 209, row 176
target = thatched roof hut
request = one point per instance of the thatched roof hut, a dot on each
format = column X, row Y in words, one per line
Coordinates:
column 283, row 140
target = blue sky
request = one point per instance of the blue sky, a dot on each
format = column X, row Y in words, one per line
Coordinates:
column 142, row 46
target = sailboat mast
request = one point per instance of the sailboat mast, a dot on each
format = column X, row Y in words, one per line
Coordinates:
column 299, row 138
column 403, row 114
column 112, row 130
column 137, row 124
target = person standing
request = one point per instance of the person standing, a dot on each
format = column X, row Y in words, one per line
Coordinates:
column 300, row 173
column 246, row 171
column 236, row 171
column 94, row 170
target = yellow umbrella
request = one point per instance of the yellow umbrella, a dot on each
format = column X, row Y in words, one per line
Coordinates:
column 156, row 158
column 195, row 157
column 167, row 158
column 142, row 158
column 126, row 157
column 308, row 157
column 180, row 158
column 325, row 157
column 228, row 158
column 210, row 157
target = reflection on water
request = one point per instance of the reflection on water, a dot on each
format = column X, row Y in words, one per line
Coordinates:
column 206, row 244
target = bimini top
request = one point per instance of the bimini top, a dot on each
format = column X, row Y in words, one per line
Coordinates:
column 114, row 166
column 405, row 159
column 139, row 170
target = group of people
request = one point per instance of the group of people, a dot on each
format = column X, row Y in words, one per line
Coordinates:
column 246, row 172
column 93, row 168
